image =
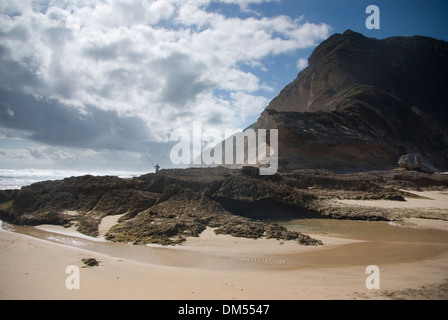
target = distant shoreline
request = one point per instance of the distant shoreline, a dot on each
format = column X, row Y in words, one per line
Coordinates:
column 13, row 179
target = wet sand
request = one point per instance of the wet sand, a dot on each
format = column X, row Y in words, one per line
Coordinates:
column 430, row 200
column 409, row 255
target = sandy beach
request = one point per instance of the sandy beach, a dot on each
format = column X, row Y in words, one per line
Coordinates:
column 34, row 261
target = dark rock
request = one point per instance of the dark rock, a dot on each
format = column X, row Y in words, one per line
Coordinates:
column 410, row 161
column 187, row 214
column 189, row 201
column 250, row 171
column 91, row 262
column 415, row 162
column 308, row 241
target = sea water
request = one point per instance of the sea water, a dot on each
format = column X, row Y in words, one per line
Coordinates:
column 18, row 178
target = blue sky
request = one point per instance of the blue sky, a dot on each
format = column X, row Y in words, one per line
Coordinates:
column 398, row 17
column 98, row 86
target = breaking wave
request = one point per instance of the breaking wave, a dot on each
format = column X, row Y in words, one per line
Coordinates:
column 16, row 179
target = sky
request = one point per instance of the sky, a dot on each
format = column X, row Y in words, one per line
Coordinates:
column 101, row 84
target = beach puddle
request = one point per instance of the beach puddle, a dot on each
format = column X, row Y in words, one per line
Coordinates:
column 378, row 243
column 373, row 253
column 367, row 230
column 146, row 254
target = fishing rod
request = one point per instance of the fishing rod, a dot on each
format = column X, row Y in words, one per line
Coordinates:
column 157, row 167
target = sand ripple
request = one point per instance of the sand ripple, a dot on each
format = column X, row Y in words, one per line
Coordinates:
column 263, row 260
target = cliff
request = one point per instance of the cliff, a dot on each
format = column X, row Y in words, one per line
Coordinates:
column 362, row 103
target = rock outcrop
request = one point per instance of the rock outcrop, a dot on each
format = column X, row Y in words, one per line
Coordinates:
column 362, row 103
column 415, row 162
column 167, row 207
column 90, row 262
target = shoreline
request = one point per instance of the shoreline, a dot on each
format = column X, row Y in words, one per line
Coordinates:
column 40, row 265
column 222, row 267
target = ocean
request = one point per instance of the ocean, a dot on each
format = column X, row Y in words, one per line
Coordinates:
column 16, row 179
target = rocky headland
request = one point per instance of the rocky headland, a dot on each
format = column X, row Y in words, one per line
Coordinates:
column 362, row 103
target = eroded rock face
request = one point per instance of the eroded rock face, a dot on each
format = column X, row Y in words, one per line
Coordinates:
column 188, row 214
column 171, row 205
column 415, row 162
column 362, row 103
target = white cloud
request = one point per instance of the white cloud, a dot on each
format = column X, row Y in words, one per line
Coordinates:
column 248, row 105
column 244, row 4
column 302, row 64
column 163, row 61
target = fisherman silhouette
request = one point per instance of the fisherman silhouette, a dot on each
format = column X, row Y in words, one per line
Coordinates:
column 157, row 167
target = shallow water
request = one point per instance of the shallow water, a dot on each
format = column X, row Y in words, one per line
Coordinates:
column 145, row 254
column 381, row 243
column 366, row 230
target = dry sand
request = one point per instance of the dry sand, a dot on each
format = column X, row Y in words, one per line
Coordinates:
column 221, row 267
